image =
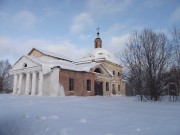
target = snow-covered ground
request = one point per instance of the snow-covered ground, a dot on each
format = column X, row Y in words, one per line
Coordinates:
column 38, row 115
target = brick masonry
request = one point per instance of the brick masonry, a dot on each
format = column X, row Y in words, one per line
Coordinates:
column 80, row 82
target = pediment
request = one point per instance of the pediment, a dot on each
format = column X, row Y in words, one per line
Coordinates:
column 101, row 70
column 24, row 62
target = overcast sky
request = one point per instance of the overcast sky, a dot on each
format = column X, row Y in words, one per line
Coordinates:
column 68, row 27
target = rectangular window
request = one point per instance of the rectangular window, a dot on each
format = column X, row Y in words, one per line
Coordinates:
column 119, row 88
column 88, row 85
column 113, row 89
column 113, row 86
column 107, row 86
column 71, row 84
column 113, row 72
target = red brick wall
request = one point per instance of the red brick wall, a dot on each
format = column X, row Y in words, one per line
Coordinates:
column 80, row 82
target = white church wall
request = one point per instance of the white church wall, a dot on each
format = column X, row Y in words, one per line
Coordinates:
column 57, row 89
column 51, row 84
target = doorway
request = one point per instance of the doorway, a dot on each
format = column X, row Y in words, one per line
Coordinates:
column 98, row 88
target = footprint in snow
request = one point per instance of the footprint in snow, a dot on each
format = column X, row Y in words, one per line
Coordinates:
column 83, row 120
column 138, row 129
column 53, row 117
column 41, row 117
column 24, row 116
column 64, row 131
column 47, row 129
column 109, row 134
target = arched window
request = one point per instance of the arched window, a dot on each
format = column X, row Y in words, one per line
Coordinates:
column 97, row 70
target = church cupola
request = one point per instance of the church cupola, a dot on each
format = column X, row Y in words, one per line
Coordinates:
column 98, row 41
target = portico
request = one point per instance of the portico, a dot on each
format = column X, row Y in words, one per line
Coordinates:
column 28, row 77
column 33, row 83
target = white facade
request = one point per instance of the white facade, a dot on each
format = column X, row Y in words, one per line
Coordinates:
column 29, row 78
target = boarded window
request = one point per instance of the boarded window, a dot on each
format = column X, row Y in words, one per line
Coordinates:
column 71, row 84
column 88, row 85
column 107, row 86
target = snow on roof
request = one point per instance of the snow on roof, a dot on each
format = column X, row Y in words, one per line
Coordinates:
column 54, row 55
column 99, row 54
column 47, row 66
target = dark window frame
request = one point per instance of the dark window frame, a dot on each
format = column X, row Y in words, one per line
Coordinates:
column 119, row 88
column 114, row 72
column 88, row 85
column 107, row 86
column 71, row 84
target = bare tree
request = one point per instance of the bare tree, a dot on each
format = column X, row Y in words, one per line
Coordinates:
column 175, row 32
column 146, row 57
column 5, row 78
column 132, row 57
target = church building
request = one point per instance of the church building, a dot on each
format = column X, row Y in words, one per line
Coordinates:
column 45, row 73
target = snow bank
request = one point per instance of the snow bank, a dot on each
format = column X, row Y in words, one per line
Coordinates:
column 116, row 115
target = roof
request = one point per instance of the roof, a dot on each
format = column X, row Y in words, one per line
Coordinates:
column 99, row 54
column 47, row 66
column 55, row 55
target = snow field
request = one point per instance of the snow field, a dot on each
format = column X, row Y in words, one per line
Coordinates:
column 38, row 115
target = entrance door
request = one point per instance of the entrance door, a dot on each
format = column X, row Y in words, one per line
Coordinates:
column 98, row 88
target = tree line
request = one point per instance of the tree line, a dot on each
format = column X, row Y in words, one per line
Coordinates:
column 151, row 62
column 5, row 78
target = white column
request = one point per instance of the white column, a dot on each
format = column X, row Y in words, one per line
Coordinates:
column 27, row 84
column 33, row 91
column 40, row 89
column 15, row 84
column 20, row 84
